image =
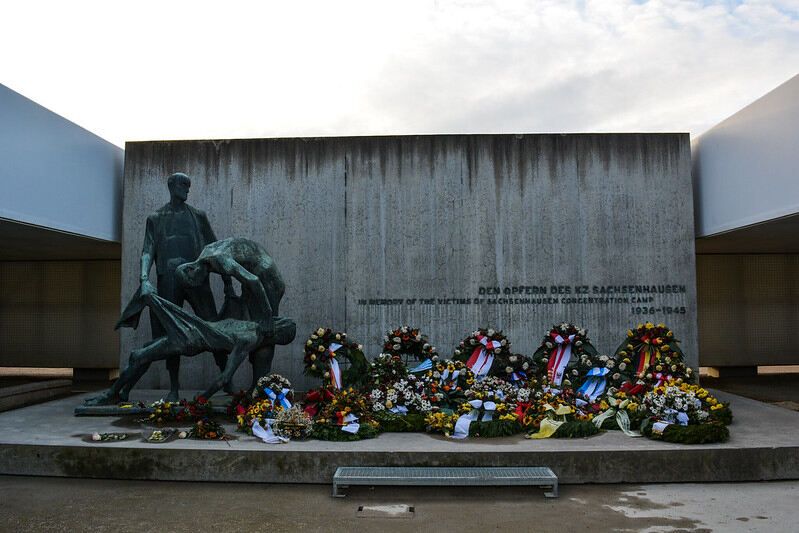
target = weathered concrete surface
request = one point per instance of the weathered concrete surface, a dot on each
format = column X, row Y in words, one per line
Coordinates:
column 366, row 229
column 46, row 440
column 47, row 504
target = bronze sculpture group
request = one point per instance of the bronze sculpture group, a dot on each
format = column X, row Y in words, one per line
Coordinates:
column 180, row 242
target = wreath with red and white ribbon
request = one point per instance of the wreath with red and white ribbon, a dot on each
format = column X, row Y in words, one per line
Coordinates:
column 324, row 349
column 480, row 349
column 560, row 352
column 651, row 356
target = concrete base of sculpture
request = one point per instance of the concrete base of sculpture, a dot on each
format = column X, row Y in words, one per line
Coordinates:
column 47, row 440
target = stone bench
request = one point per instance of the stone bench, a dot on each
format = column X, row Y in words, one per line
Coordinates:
column 539, row 476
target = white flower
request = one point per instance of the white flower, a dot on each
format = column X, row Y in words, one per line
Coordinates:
column 320, row 331
column 525, row 365
column 504, row 342
column 574, row 372
column 578, row 343
column 397, row 339
column 513, row 358
column 616, row 376
column 491, row 332
column 509, row 370
column 96, row 436
column 548, row 344
column 581, row 332
column 611, row 363
column 396, row 346
column 404, row 329
column 622, row 366
column 603, row 358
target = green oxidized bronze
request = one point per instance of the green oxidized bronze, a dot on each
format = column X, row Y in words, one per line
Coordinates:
column 180, row 241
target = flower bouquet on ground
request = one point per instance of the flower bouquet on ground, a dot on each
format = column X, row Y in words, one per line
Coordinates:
column 162, row 412
column 293, row 423
column 410, row 345
column 400, row 406
column 651, row 356
column 481, row 349
column 488, row 410
column 345, row 417
column 257, row 411
column 560, row 352
column 337, row 361
column 686, row 414
column 445, row 385
column 207, row 429
column 555, row 415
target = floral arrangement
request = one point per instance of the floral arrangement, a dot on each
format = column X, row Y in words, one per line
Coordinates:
column 557, row 416
column 559, row 353
column 347, row 409
column 325, row 350
column 685, row 413
column 408, row 341
column 650, row 355
column 258, row 410
column 275, row 387
column 401, row 397
column 445, row 384
column 207, row 429
column 293, row 423
column 386, row 368
column 162, row 411
column 480, row 349
column 515, row 368
column 316, row 399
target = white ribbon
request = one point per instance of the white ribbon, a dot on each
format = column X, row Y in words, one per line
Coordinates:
column 281, row 399
column 464, row 421
column 267, row 435
column 482, row 363
column 351, row 424
column 335, row 371
column 562, row 356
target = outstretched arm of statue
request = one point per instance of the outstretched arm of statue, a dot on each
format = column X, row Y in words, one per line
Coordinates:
column 147, row 256
column 257, row 302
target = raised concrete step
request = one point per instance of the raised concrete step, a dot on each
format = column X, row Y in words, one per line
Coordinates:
column 18, row 396
column 48, row 440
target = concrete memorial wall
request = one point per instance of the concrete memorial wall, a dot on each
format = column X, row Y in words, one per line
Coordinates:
column 444, row 232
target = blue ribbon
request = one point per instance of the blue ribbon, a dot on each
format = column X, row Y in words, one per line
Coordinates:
column 425, row 365
column 594, row 386
column 279, row 398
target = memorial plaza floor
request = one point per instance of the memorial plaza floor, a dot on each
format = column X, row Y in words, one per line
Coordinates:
column 47, row 440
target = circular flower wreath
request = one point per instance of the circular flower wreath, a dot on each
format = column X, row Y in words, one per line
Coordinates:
column 408, row 341
column 481, row 350
column 684, row 413
column 386, row 368
column 276, row 388
column 323, row 352
column 595, row 375
column 650, row 355
column 334, row 415
column 445, row 384
column 514, row 368
column 561, row 349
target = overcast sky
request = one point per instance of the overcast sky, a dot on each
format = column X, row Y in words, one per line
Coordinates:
column 141, row 70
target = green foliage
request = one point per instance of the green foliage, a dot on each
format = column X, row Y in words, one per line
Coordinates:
column 495, row 428
column 691, row 434
column 394, row 423
column 576, row 429
column 332, row 432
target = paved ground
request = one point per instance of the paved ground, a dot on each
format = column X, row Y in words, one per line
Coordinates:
column 57, row 504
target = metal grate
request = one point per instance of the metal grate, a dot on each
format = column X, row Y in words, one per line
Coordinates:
column 446, row 476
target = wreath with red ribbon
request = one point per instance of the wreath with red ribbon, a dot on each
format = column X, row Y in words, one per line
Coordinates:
column 560, row 353
column 650, row 356
column 481, row 349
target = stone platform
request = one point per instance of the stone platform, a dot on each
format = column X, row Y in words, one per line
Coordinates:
column 47, row 440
